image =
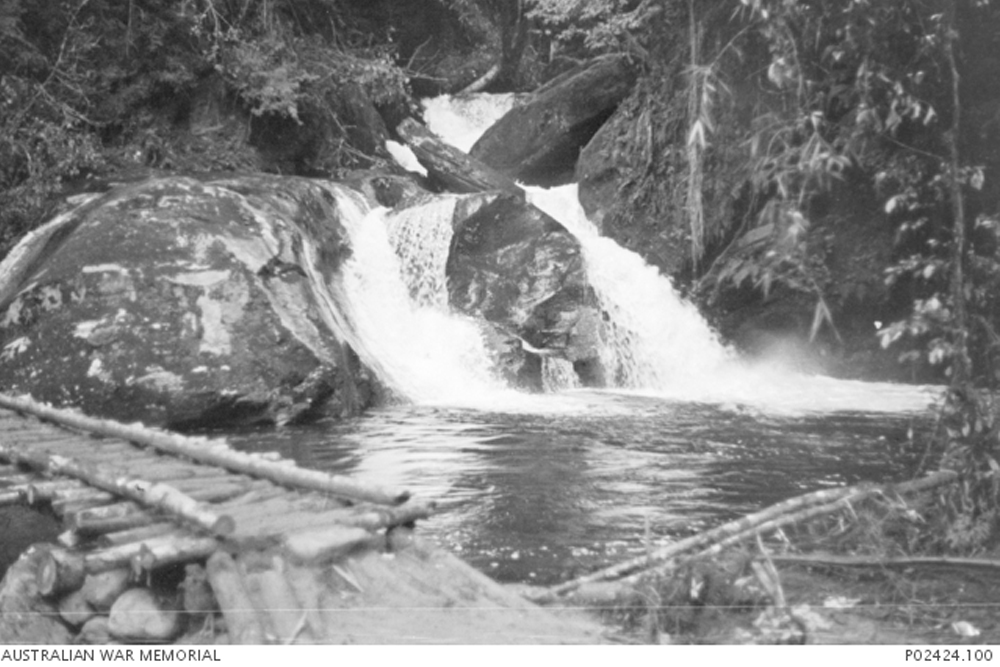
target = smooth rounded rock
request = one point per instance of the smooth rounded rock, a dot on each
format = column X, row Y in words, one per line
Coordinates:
column 139, row 615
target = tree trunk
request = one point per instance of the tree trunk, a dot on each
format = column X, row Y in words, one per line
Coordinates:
column 455, row 170
column 962, row 366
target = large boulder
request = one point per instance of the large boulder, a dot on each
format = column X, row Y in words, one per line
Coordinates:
column 186, row 303
column 538, row 142
column 520, row 270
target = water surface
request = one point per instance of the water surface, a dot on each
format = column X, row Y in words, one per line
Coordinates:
column 540, row 496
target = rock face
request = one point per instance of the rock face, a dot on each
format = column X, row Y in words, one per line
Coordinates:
column 519, row 269
column 183, row 302
column 538, row 142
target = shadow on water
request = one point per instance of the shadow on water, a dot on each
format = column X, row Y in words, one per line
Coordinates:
column 542, row 497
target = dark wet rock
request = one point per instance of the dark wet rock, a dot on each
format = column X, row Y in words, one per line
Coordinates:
column 386, row 188
column 539, row 142
column 312, row 144
column 610, row 172
column 185, row 303
column 519, row 269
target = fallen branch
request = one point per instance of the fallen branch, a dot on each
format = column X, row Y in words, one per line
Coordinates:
column 458, row 171
column 897, row 562
column 793, row 510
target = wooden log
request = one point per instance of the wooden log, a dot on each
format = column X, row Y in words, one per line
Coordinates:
column 212, row 452
column 324, row 544
column 450, row 167
column 66, row 492
column 17, row 477
column 64, row 508
column 219, row 492
column 306, row 588
column 152, row 553
column 279, row 602
column 830, row 560
column 8, row 497
column 287, row 515
column 47, row 437
column 377, row 518
column 262, row 492
column 155, row 495
column 109, row 518
column 136, row 534
column 60, row 571
column 173, row 471
column 241, row 617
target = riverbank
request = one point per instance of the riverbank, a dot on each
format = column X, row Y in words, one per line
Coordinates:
column 863, row 574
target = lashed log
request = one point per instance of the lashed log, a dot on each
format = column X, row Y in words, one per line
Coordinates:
column 452, row 168
column 14, row 476
column 284, row 516
column 213, row 452
column 8, row 497
column 60, row 571
column 66, row 508
column 110, row 518
column 65, row 490
column 136, row 534
column 151, row 553
column 324, row 544
column 155, row 495
column 234, row 601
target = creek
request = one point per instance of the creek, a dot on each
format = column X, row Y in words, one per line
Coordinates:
column 537, row 488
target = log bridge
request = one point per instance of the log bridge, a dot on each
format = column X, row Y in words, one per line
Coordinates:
column 178, row 538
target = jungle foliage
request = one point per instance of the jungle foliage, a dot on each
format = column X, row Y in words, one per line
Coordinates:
column 90, row 87
column 778, row 128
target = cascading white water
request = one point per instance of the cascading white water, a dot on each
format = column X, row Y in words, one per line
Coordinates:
column 462, row 120
column 421, row 236
column 656, row 342
column 423, row 351
column 654, row 339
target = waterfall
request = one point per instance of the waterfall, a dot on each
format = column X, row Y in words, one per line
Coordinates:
column 461, row 120
column 400, row 328
column 421, row 236
column 654, row 339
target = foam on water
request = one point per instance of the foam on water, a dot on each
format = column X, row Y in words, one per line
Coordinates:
column 462, row 120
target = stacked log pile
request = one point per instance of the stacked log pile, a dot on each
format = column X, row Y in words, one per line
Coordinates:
column 172, row 538
column 150, row 538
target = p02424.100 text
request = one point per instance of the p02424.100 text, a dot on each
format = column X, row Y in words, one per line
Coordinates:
column 948, row 655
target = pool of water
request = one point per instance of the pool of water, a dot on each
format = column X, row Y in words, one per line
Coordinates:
column 542, row 495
